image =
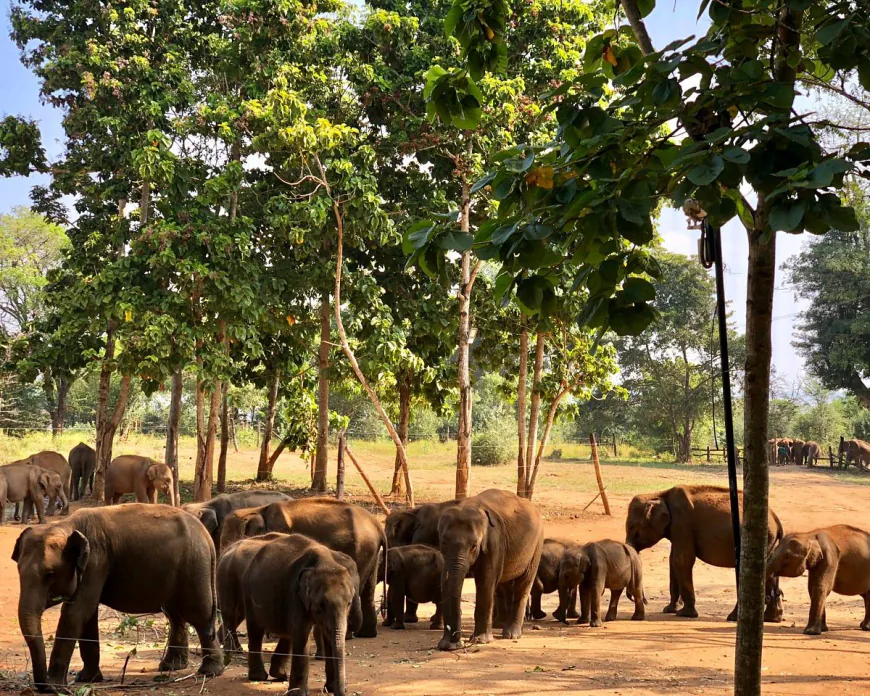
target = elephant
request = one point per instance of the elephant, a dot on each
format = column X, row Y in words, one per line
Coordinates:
column 797, row 452
column 413, row 572
column 29, row 484
column 133, row 558
column 697, row 521
column 783, row 451
column 812, row 452
column 547, row 580
column 143, row 476
column 340, row 526
column 838, row 560
column 856, row 451
column 416, row 526
column 83, row 462
column 287, row 586
column 213, row 512
column 595, row 567
column 498, row 537
column 51, row 461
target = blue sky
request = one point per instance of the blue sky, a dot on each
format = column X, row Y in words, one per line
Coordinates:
column 19, row 94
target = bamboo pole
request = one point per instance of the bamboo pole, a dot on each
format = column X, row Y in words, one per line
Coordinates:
column 595, row 461
column 339, row 481
column 365, row 478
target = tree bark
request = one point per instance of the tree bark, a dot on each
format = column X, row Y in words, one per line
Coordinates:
column 545, row 438
column 225, row 442
column 106, row 435
column 233, row 417
column 684, row 446
column 205, row 438
column 521, row 413
column 56, row 390
column 321, row 455
column 404, row 384
column 170, row 456
column 535, row 409
column 264, row 473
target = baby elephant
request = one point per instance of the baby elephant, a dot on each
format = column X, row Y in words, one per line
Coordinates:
column 140, row 475
column 598, row 566
column 287, row 586
column 838, row 560
column 414, row 572
column 547, row 580
column 29, row 484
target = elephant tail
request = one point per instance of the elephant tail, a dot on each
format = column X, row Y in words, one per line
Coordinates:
column 386, row 557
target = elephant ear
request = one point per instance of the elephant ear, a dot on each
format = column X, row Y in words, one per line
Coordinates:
column 821, row 548
column 301, row 582
column 209, row 519
column 151, row 472
column 255, row 525
column 490, row 517
column 45, row 480
column 16, row 552
column 77, row 552
column 658, row 515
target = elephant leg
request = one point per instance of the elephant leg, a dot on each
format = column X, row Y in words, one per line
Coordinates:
column 51, row 507
column 683, row 566
column 256, row 668
column 177, row 651
column 585, row 603
column 152, row 495
column 825, row 621
column 572, row 607
column 614, row 603
column 299, row 662
column 230, row 633
column 733, row 615
column 280, row 659
column 141, row 491
column 515, row 603
column 865, row 624
column 89, row 649
column 498, row 608
column 410, row 611
column 329, row 686
column 596, row 590
column 318, row 646
column 639, row 608
column 674, row 603
column 537, row 592
column 774, row 609
column 73, row 618
column 212, row 655
column 369, row 628
column 17, row 514
column 396, row 603
column 484, row 598
column 816, row 623
column 437, row 620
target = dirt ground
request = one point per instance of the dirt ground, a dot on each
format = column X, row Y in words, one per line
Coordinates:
column 663, row 654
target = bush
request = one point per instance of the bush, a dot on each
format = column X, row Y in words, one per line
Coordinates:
column 491, row 449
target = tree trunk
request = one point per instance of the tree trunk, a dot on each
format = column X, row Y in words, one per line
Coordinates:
column 522, row 475
column 277, row 453
column 56, row 390
column 684, row 446
column 264, row 473
column 321, row 455
column 535, row 410
column 545, row 438
column 225, row 442
column 233, row 417
column 106, row 436
column 170, row 456
column 205, row 438
column 404, row 383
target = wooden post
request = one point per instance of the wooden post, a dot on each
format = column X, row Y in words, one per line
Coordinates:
column 595, row 461
column 615, row 453
column 840, row 453
column 830, row 457
column 339, row 477
column 708, row 454
column 368, row 483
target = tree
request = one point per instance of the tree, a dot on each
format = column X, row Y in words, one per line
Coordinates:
column 834, row 334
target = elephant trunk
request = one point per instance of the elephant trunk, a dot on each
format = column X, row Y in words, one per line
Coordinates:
column 339, row 673
column 65, row 500
column 456, row 570
column 30, row 621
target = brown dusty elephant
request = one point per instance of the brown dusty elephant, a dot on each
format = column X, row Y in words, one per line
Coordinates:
column 413, row 573
column 213, row 512
column 83, row 462
column 697, row 521
column 498, row 537
column 52, row 461
column 29, row 484
column 812, row 452
column 598, row 566
column 797, row 452
column 547, row 580
column 287, row 586
column 133, row 558
column 143, row 476
column 783, row 451
column 856, row 451
column 340, row 526
column 838, row 560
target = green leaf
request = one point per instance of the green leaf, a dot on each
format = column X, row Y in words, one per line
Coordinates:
column 841, row 218
column 458, row 241
column 630, row 320
column 831, row 31
column 452, row 19
column 483, row 182
column 530, row 295
column 706, row 172
column 503, row 283
column 645, row 7
column 736, row 154
column 638, row 290
column 537, row 231
column 787, row 216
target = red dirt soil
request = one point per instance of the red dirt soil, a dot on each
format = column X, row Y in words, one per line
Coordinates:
column 663, row 654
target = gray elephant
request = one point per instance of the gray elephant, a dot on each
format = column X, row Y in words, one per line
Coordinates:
column 28, row 484
column 547, row 580
column 109, row 556
column 797, row 452
column 213, row 512
column 697, row 521
column 498, row 537
column 856, row 451
column 413, row 573
column 599, row 566
column 838, row 560
column 288, row 586
column 143, row 476
column 83, row 462
column 812, row 452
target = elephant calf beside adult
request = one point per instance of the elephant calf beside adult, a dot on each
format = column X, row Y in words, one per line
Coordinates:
column 83, row 462
column 856, row 451
column 56, row 462
column 212, row 513
column 697, row 521
column 28, row 484
column 340, row 526
column 143, row 476
column 131, row 558
column 498, row 537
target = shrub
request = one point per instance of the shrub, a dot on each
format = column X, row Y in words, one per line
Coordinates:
column 491, row 449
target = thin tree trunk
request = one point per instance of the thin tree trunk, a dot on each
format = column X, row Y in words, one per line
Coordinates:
column 225, row 442
column 321, row 456
column 264, row 473
column 102, row 416
column 522, row 475
column 170, row 456
column 404, row 381
column 56, row 390
column 277, row 453
column 545, row 438
column 106, row 436
column 233, row 429
column 535, row 409
column 205, row 439
column 684, row 446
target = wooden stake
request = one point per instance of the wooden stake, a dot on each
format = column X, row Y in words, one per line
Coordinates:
column 365, row 478
column 339, row 480
column 601, row 488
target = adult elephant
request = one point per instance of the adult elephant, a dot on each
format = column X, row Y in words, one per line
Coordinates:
column 797, row 452
column 132, row 558
column 56, row 462
column 83, row 462
column 812, row 452
column 498, row 537
column 697, row 521
column 856, row 451
column 212, row 513
column 28, row 485
column 340, row 526
column 131, row 473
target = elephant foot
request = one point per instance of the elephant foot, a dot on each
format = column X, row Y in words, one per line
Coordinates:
column 277, row 674
column 483, row 638
column 298, row 691
column 595, row 623
column 671, row 608
column 436, row 626
column 688, row 613
column 212, row 665
column 732, row 616
column 813, row 631
column 410, row 618
column 447, row 644
column 582, row 620
column 774, row 611
column 258, row 675
column 572, row 614
column 398, row 626
column 369, row 629
column 638, row 616
column 610, row 616
column 513, row 632
column 173, row 661
column 537, row 615
column 389, row 621
column 89, row 676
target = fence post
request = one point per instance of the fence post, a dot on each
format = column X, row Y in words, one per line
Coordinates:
column 339, row 477
column 601, row 489
column 840, row 453
column 615, row 453
column 374, row 492
column 830, row 457
column 708, row 454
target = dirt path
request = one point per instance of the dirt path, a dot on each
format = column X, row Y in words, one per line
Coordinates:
column 661, row 655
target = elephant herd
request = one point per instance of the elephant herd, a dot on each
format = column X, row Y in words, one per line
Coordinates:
column 786, row 450
column 290, row 568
